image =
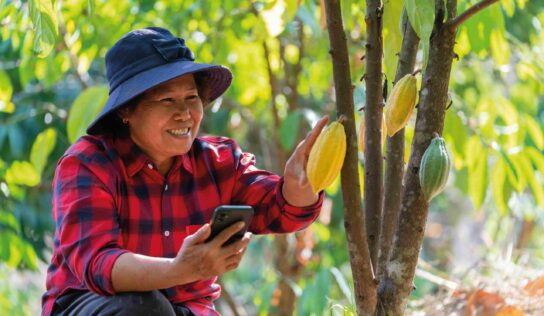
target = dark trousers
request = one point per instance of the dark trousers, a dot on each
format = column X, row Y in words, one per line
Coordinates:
column 86, row 303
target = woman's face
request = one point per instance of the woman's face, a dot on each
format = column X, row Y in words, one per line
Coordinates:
column 165, row 121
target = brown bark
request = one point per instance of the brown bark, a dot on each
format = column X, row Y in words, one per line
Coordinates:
column 373, row 188
column 524, row 234
column 354, row 222
column 394, row 169
column 397, row 285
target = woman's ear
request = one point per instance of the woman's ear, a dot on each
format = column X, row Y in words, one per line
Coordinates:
column 122, row 113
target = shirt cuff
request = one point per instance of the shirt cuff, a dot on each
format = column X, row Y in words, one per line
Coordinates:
column 100, row 280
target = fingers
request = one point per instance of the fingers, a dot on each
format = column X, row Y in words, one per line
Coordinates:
column 199, row 236
column 239, row 245
column 227, row 233
column 314, row 133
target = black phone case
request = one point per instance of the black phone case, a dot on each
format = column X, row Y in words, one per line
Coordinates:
column 226, row 215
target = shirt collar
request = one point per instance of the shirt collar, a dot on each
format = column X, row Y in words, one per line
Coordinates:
column 135, row 159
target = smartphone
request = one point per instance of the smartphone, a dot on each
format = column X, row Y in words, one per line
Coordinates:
column 226, row 215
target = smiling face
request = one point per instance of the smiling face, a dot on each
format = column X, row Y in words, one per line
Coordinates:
column 166, row 119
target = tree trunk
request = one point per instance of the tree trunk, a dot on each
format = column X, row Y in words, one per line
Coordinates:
column 395, row 155
column 361, row 266
column 397, row 285
column 373, row 188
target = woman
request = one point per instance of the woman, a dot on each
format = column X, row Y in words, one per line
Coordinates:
column 132, row 199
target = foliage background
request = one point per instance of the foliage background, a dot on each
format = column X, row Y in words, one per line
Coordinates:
column 52, row 81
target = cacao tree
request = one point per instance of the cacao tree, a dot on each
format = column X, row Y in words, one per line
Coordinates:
column 384, row 240
column 52, row 80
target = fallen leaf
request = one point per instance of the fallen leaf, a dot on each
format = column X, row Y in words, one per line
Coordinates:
column 510, row 310
column 483, row 303
column 535, row 287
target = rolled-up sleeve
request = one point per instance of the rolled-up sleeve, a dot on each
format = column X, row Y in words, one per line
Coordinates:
column 263, row 190
column 87, row 223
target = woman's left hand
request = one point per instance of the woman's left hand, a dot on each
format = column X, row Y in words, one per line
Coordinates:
column 296, row 188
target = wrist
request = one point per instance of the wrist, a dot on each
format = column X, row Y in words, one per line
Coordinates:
column 297, row 195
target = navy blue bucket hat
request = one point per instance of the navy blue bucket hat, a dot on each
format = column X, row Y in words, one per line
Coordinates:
column 145, row 58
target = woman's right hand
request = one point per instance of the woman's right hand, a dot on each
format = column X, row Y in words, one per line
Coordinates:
column 199, row 260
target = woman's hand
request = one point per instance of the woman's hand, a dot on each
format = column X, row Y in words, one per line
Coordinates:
column 296, row 188
column 199, row 260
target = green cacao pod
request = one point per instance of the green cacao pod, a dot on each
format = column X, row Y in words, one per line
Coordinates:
column 326, row 157
column 400, row 104
column 434, row 168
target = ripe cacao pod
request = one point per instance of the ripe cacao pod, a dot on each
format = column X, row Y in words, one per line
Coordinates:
column 326, row 157
column 434, row 168
column 362, row 133
column 400, row 104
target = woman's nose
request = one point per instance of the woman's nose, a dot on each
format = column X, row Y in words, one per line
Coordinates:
column 182, row 112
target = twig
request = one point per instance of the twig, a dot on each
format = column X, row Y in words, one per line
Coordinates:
column 454, row 23
column 436, row 279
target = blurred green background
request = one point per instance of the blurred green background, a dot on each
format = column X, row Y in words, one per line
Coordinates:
column 52, row 84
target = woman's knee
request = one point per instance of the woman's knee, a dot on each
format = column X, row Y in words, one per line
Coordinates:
column 144, row 304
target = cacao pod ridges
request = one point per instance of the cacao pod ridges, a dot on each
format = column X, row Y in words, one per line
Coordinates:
column 400, row 104
column 326, row 156
column 434, row 168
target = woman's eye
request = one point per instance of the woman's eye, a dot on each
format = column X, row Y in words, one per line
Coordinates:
column 167, row 100
column 192, row 98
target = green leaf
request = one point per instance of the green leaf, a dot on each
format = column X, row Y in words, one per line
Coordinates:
column 22, row 173
column 538, row 159
column 44, row 18
column 421, row 16
column 8, row 220
column 289, row 130
column 535, row 131
column 30, row 257
column 508, row 6
column 477, row 171
column 498, row 181
column 477, row 180
column 90, row 6
column 480, row 27
column 392, row 38
column 342, row 283
column 5, row 93
column 500, row 50
column 84, row 110
column 15, row 253
column 42, row 148
column 518, row 170
column 455, row 134
column 537, row 188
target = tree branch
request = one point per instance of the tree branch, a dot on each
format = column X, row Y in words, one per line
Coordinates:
column 354, row 221
column 394, row 169
column 414, row 207
column 454, row 23
column 373, row 188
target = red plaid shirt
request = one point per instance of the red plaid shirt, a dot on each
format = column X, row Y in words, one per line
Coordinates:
column 109, row 198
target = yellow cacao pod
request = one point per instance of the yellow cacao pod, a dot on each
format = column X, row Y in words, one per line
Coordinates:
column 362, row 133
column 326, row 157
column 434, row 168
column 400, row 104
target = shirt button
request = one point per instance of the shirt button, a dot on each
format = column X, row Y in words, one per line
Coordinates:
column 166, row 233
column 150, row 166
column 166, row 187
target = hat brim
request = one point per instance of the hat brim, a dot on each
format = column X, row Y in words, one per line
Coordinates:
column 218, row 79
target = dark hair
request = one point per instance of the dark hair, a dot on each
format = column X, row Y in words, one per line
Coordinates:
column 112, row 123
column 203, row 87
